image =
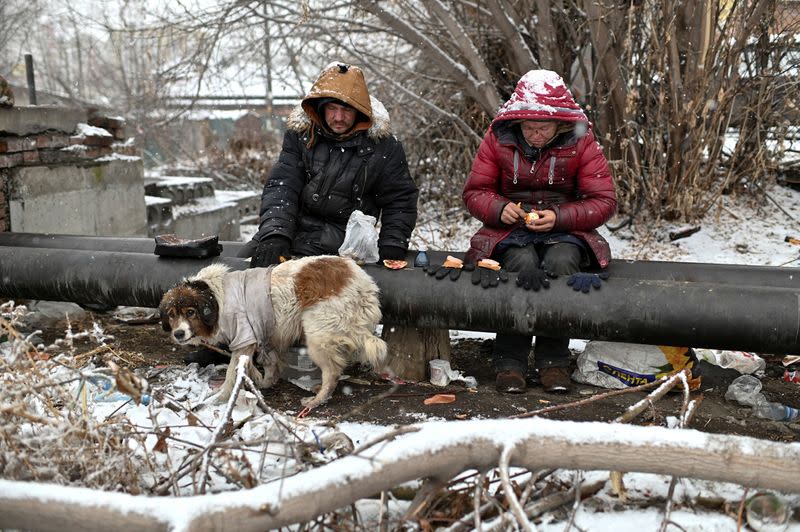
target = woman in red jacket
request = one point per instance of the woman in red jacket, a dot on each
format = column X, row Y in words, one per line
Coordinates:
column 539, row 155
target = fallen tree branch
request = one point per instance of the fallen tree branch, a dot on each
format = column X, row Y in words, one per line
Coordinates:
column 538, row 443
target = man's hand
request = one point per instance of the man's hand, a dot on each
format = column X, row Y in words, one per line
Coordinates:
column 533, row 279
column 391, row 253
column 583, row 282
column 270, row 251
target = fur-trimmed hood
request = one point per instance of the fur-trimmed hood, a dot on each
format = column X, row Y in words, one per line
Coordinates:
column 381, row 128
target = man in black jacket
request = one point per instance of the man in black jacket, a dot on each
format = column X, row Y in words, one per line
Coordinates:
column 338, row 155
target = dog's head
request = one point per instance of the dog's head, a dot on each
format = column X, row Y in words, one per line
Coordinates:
column 189, row 311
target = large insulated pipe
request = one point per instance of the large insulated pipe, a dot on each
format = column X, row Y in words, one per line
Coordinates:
column 734, row 274
column 665, row 312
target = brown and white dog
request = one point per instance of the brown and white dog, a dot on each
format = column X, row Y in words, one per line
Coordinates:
column 327, row 301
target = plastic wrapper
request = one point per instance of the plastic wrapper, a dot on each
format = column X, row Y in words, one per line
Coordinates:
column 360, row 239
column 619, row 365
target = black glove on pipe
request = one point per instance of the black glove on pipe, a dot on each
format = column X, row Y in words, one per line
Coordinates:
column 583, row 281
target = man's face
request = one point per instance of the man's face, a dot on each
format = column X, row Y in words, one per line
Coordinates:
column 537, row 134
column 340, row 118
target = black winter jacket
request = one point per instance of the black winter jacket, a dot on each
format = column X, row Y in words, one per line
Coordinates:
column 311, row 193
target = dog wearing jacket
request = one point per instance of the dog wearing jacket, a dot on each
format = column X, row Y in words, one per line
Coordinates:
column 327, row 301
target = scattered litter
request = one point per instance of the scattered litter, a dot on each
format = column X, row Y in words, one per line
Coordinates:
column 742, row 361
column 136, row 315
column 306, row 383
column 767, row 512
column 791, row 376
column 788, row 360
column 356, row 380
column 442, row 374
column 683, row 233
column 440, row 399
column 395, row 379
column 617, row 365
column 746, row 390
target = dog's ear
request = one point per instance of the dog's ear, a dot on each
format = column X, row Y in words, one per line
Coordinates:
column 208, row 307
column 163, row 312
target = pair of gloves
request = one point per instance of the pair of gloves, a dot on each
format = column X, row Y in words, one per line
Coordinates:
column 486, row 277
column 528, row 279
column 272, row 249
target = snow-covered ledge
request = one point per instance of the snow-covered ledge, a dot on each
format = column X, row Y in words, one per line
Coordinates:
column 435, row 449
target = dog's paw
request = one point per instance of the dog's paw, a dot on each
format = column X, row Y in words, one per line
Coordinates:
column 309, row 402
column 218, row 398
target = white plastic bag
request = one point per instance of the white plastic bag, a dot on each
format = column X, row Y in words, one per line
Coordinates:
column 619, row 365
column 741, row 361
column 360, row 239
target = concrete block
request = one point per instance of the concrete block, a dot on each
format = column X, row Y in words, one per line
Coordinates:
column 201, row 218
column 10, row 159
column 83, row 199
column 23, row 121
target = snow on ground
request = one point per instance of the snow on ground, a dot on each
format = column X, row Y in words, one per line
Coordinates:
column 735, row 233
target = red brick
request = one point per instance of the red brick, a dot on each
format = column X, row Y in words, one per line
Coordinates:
column 17, row 144
column 30, row 157
column 76, row 139
column 106, row 122
column 97, row 140
column 51, row 141
column 11, row 159
column 118, row 133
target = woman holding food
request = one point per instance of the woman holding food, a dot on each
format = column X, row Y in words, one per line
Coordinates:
column 541, row 186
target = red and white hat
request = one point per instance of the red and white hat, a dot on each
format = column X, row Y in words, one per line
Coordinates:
column 541, row 95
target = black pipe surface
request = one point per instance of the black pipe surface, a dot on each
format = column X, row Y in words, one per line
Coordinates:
column 761, row 319
column 733, row 274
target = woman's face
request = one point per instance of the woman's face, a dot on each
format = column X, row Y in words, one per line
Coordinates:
column 538, row 134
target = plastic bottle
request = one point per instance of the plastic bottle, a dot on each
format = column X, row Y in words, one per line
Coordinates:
column 421, row 260
column 109, row 394
column 775, row 411
column 746, row 390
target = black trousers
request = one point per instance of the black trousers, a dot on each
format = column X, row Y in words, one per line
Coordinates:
column 511, row 350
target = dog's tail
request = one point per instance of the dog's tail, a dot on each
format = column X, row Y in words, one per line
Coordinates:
column 374, row 351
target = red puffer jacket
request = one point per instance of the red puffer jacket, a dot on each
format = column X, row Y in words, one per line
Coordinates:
column 570, row 177
column 573, row 180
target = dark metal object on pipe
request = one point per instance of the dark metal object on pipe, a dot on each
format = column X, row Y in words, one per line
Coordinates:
column 640, row 311
column 734, row 274
column 125, row 244
column 31, row 78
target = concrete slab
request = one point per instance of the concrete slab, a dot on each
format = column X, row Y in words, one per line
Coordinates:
column 206, row 217
column 248, row 203
column 93, row 199
column 24, row 121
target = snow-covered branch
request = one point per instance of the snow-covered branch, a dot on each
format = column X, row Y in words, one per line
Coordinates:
column 438, row 450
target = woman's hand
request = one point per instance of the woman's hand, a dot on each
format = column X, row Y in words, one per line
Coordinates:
column 545, row 222
column 513, row 213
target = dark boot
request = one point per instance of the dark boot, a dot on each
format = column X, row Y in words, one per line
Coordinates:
column 510, row 381
column 555, row 380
